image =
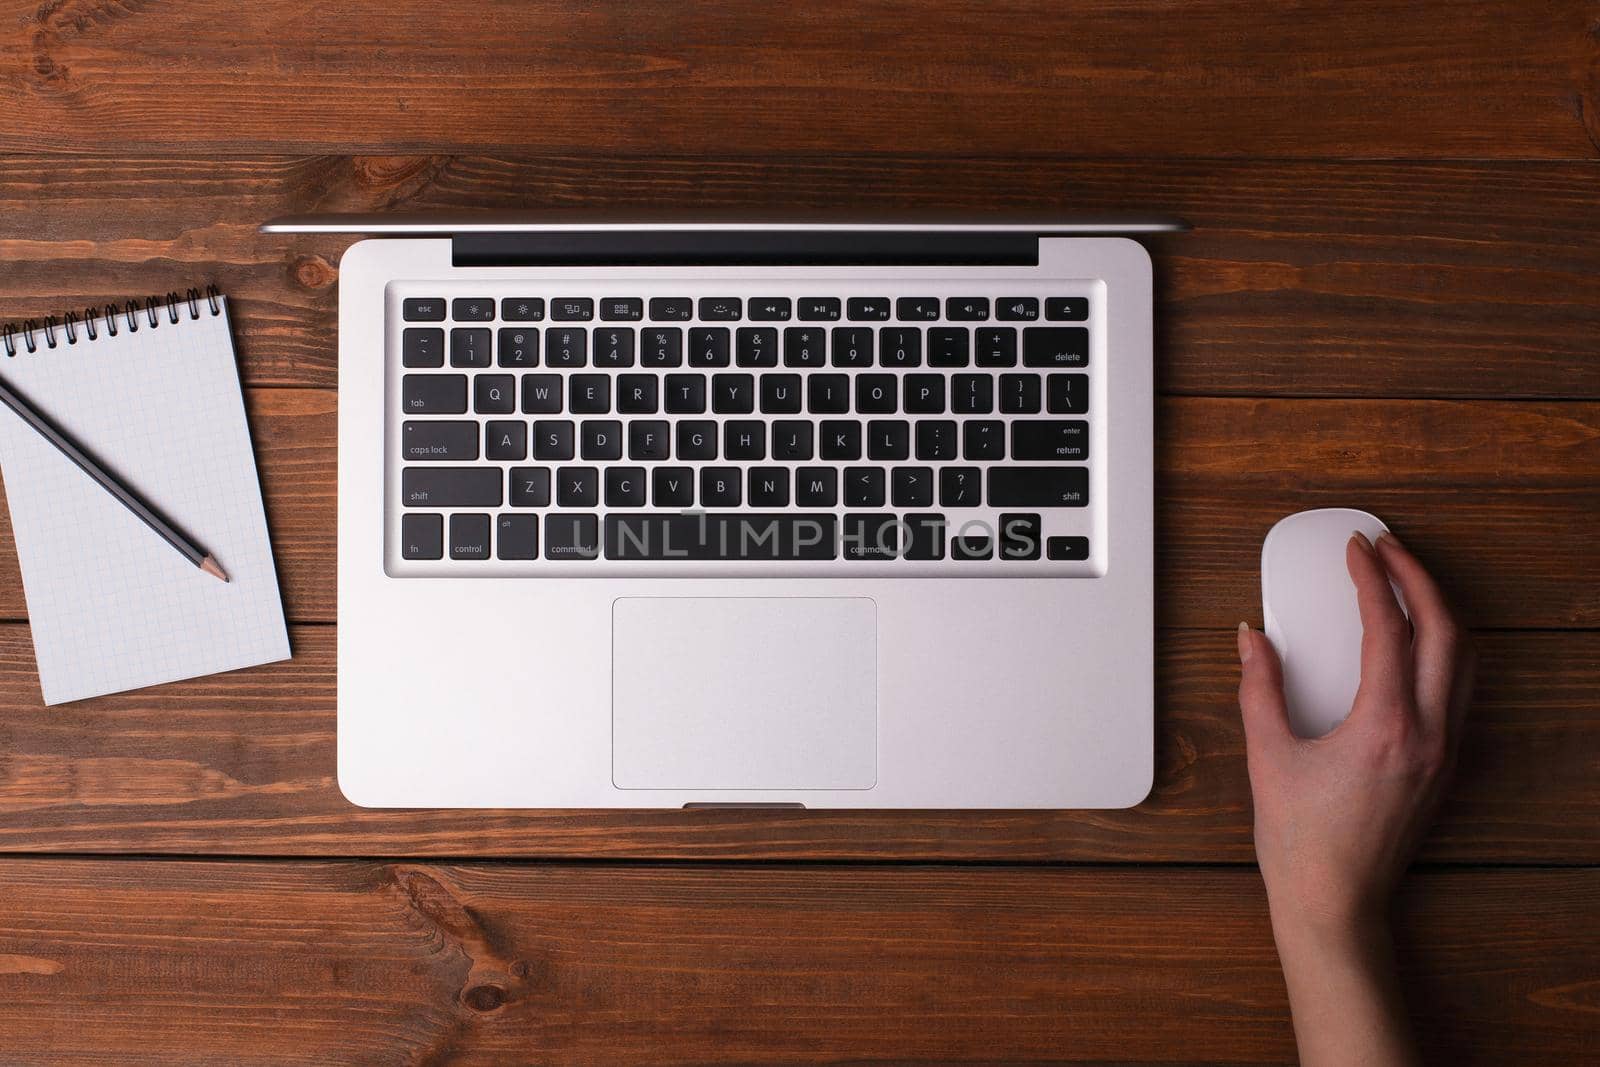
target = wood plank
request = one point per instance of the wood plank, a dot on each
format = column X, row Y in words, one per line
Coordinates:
column 1501, row 498
column 1323, row 78
column 1327, row 278
column 363, row 962
column 243, row 763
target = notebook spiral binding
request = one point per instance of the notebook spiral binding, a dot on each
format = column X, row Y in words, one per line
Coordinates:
column 69, row 325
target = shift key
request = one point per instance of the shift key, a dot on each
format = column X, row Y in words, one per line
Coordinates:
column 451, row 487
column 1038, row 487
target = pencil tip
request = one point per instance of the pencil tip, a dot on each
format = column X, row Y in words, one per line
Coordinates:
column 212, row 567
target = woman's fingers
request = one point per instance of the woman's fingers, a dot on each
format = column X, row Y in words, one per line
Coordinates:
column 1440, row 650
column 1261, row 703
column 1385, row 634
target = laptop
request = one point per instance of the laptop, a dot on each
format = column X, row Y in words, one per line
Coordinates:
column 687, row 513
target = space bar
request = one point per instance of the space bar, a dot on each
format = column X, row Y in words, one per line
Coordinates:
column 746, row 536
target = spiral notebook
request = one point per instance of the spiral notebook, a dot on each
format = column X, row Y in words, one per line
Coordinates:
column 152, row 392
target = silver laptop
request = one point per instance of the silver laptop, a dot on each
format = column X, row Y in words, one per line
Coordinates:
column 686, row 513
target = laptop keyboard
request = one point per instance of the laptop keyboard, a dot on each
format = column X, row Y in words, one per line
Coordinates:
column 938, row 432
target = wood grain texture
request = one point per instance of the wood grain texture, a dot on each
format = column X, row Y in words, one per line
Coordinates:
column 243, row 763
column 1422, row 79
column 345, row 963
column 1302, row 279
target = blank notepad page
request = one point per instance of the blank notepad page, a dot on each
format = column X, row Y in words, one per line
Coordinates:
column 112, row 605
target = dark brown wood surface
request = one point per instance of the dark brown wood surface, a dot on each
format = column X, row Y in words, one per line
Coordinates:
column 1391, row 299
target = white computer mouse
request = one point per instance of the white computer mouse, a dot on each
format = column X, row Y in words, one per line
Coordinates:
column 1309, row 606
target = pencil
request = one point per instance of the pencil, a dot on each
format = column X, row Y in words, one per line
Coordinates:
column 130, row 500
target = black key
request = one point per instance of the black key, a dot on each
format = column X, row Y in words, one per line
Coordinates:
column 439, row 441
column 505, row 440
column 422, row 309
column 697, row 440
column 925, row 535
column 911, row 487
column 733, row 394
column 852, row 346
column 469, row 537
column 451, row 487
column 1067, row 547
column 636, row 394
column 769, row 487
column 1066, row 394
column 983, row 440
column 622, row 309
column 816, row 487
column 870, row 537
column 553, row 439
column 1036, row 439
column 577, row 487
column 936, row 439
column 971, row 546
column 756, row 536
column 589, row 394
column 572, row 308
column 841, row 439
column 1066, row 308
column 624, row 487
column 719, row 487
column 600, row 439
column 541, row 394
column 522, row 308
column 1019, row 394
column 744, row 439
column 519, row 346
column 966, row 308
column 819, row 309
column 875, row 394
column 494, row 394
column 888, row 439
column 997, row 347
column 757, row 346
column 686, row 394
column 470, row 347
column 708, row 346
column 900, row 346
column 959, row 487
column 673, row 487
column 827, row 394
column 780, row 394
column 530, row 487
column 1039, row 487
column 868, row 308
column 571, row 536
column 924, row 394
column 421, row 537
column 671, row 308
column 661, row 346
column 805, row 346
column 949, row 346
column 566, row 346
column 864, row 487
column 1055, row 346
column 1019, row 536
column 433, row 394
column 792, row 440
column 971, row 394
column 613, row 347
column 912, row 308
column 472, row 309
column 648, row 440
column 1023, row 308
column 720, row 308
column 422, row 346
column 516, row 537
column 770, row 309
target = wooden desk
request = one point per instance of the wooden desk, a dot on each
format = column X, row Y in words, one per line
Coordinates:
column 1391, row 299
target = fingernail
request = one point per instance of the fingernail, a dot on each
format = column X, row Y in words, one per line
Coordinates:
column 1361, row 539
column 1244, row 643
column 1391, row 538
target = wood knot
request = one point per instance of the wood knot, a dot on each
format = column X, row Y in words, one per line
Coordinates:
column 484, row 998
column 313, row 272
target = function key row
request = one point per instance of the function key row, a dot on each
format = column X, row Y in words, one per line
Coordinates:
column 756, row 309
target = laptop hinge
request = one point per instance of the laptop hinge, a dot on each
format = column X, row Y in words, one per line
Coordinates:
column 730, row 248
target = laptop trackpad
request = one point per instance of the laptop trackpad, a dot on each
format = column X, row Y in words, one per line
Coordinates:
column 744, row 693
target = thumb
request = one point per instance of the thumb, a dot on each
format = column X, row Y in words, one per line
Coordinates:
column 1261, row 702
